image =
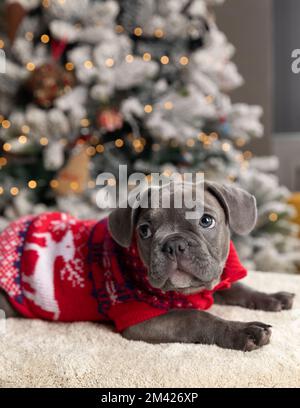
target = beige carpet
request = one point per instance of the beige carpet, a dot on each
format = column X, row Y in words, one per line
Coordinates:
column 36, row 353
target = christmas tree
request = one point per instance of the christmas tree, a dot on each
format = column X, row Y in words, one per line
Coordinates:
column 90, row 85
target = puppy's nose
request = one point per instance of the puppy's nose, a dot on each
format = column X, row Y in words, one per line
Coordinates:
column 175, row 247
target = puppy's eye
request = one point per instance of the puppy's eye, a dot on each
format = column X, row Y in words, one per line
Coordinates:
column 144, row 231
column 207, row 221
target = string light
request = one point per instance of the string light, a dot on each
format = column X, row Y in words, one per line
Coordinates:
column 119, row 143
column 1, row 190
column 109, row 62
column 29, row 36
column 91, row 151
column 54, row 183
column 240, row 142
column 45, row 3
column 138, row 145
column 168, row 105
column 69, row 66
column 158, row 33
column 100, row 148
column 32, row 184
column 119, row 29
column 129, row 58
column 201, row 136
column 147, row 56
column 226, row 147
column 88, row 64
column 148, row 108
column 273, row 217
column 164, row 59
column 248, row 155
column 190, row 142
column 45, row 38
column 84, row 122
column 22, row 139
column 7, row 147
column 184, row 60
column 14, row 191
column 6, row 124
column 44, row 141
column 138, row 31
column 209, row 99
column 2, row 44
column 25, row 129
column 30, row 66
column 214, row 136
column 74, row 185
column 3, row 161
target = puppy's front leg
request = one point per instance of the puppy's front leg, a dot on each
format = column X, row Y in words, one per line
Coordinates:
column 242, row 295
column 194, row 326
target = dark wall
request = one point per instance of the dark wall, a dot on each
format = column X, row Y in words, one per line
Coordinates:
column 248, row 26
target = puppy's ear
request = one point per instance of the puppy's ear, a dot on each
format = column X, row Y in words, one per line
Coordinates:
column 239, row 206
column 120, row 224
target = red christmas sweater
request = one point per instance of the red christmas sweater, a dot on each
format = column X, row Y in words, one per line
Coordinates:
column 56, row 267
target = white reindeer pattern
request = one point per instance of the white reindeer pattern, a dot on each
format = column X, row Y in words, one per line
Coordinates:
column 41, row 281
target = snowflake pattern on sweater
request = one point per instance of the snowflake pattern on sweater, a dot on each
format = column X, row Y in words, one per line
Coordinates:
column 56, row 267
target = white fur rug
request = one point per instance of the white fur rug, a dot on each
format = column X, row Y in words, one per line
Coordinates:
column 40, row 354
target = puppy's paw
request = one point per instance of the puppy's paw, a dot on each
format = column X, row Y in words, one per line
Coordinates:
column 285, row 299
column 251, row 336
column 271, row 302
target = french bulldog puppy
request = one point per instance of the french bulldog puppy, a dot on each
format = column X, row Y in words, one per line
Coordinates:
column 183, row 257
column 188, row 256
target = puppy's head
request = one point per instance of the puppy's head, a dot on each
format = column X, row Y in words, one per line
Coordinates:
column 186, row 255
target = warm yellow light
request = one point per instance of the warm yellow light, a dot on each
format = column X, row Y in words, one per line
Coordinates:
column 184, row 60
column 248, row 155
column 168, row 105
column 129, row 58
column 273, row 217
column 32, row 184
column 2, row 44
column 84, row 122
column 109, row 62
column 1, row 190
column 190, row 142
column 209, row 98
column 119, row 29
column 44, row 141
column 29, row 36
column 6, row 124
column 14, row 191
column 45, row 3
column 100, row 148
column 148, row 108
column 3, row 161
column 45, row 38
column 54, row 183
column 214, row 135
column 164, row 60
column 25, row 129
column 91, row 151
column 119, row 143
column 88, row 64
column 159, row 33
column 30, row 66
column 138, row 31
column 74, row 185
column 240, row 142
column 226, row 147
column 7, row 147
column 147, row 56
column 22, row 139
column 69, row 66
column 201, row 136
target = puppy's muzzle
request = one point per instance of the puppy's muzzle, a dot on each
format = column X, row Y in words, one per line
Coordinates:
column 174, row 247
